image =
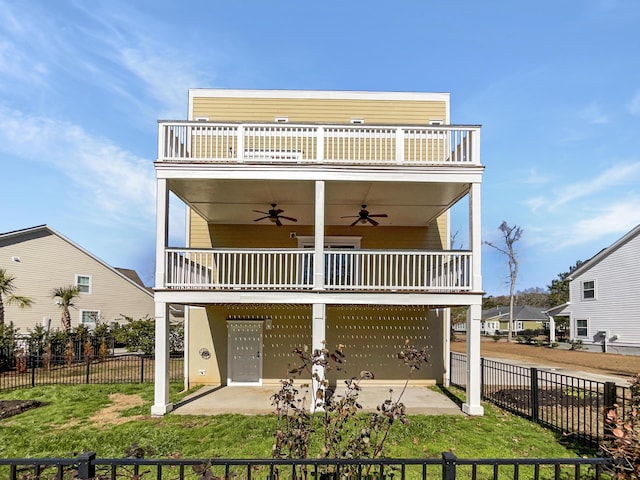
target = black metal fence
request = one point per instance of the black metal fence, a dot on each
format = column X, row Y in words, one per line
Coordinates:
column 34, row 370
column 447, row 467
column 572, row 405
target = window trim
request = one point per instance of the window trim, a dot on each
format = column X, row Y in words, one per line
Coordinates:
column 88, row 310
column 78, row 275
column 582, row 290
column 334, row 241
column 586, row 328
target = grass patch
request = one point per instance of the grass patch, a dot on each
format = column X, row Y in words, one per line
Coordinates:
column 76, row 418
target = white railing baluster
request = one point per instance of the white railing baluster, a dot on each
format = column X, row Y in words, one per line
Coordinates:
column 265, row 269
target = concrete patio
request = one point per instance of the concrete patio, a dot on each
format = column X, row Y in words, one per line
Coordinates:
column 210, row 400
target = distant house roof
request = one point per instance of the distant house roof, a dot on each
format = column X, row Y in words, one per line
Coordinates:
column 605, row 252
column 558, row 310
column 520, row 313
column 129, row 275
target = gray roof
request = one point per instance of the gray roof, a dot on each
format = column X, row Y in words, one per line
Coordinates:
column 520, row 313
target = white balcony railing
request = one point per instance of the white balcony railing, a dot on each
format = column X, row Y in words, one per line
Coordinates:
column 341, row 144
column 352, row 270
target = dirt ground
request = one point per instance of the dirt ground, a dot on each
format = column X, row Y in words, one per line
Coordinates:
column 605, row 363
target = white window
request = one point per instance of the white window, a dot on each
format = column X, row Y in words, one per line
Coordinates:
column 83, row 282
column 581, row 328
column 589, row 290
column 89, row 318
column 519, row 326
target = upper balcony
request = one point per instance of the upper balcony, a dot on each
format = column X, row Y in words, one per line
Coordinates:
column 207, row 142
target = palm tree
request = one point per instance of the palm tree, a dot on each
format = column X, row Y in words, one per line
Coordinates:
column 65, row 297
column 7, row 289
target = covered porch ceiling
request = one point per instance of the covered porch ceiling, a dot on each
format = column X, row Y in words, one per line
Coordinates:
column 234, row 201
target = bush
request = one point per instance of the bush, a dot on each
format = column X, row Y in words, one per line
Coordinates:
column 529, row 335
column 140, row 336
column 347, row 432
column 622, row 439
column 576, row 345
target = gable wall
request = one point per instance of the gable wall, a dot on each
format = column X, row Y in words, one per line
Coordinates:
column 46, row 262
column 617, row 305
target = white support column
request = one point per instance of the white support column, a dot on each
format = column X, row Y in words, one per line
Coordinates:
column 161, row 404
column 318, row 260
column 318, row 337
column 552, row 330
column 162, row 230
column 473, row 406
column 475, row 240
column 447, row 345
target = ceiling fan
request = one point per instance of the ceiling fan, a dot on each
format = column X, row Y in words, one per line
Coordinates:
column 364, row 216
column 274, row 215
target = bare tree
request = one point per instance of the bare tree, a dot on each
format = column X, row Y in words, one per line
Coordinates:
column 510, row 235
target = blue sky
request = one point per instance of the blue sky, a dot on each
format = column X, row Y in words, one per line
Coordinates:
column 556, row 86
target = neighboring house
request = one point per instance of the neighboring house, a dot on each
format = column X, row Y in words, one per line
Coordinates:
column 604, row 297
column 524, row 318
column 42, row 259
column 317, row 218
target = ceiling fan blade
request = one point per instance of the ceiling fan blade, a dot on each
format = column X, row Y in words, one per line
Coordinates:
column 278, row 222
column 261, row 218
column 353, row 224
column 381, row 215
column 351, row 216
column 372, row 222
column 291, row 219
column 279, row 211
column 258, row 211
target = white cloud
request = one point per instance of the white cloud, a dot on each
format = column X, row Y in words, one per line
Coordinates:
column 113, row 184
column 634, row 104
column 593, row 115
column 536, row 178
column 617, row 219
column 163, row 79
column 102, row 48
column 614, row 177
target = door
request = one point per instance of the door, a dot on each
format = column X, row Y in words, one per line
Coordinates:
column 245, row 352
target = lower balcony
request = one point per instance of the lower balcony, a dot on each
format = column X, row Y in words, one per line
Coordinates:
column 293, row 269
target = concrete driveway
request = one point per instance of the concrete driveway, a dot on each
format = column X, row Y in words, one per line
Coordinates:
column 257, row 400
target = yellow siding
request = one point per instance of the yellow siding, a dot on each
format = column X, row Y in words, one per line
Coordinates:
column 372, row 335
column 268, row 236
column 198, row 232
column 374, row 112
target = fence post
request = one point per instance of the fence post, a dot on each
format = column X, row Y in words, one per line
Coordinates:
column 33, row 370
column 86, row 467
column 448, row 466
column 609, row 394
column 88, row 372
column 142, row 368
column 534, row 394
column 482, row 378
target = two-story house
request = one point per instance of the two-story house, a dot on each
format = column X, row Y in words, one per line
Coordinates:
column 604, row 298
column 317, row 218
column 41, row 259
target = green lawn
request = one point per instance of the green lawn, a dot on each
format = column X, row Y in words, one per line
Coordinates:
column 63, row 427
